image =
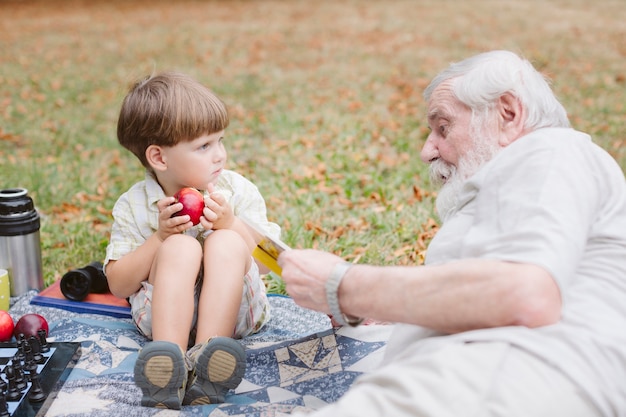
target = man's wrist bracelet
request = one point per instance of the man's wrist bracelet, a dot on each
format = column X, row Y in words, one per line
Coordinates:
column 332, row 295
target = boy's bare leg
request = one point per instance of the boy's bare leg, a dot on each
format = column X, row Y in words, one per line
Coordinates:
column 173, row 276
column 161, row 370
column 226, row 261
column 219, row 361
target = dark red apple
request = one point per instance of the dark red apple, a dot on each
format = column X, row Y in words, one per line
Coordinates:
column 6, row 326
column 193, row 203
column 29, row 324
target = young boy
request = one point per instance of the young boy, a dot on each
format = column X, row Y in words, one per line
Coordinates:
column 188, row 286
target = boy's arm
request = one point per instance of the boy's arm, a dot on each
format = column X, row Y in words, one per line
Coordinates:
column 242, row 229
column 126, row 274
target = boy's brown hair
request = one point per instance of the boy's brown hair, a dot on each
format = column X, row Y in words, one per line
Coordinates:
column 165, row 109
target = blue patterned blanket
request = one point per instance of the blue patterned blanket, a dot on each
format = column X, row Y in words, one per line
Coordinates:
column 297, row 362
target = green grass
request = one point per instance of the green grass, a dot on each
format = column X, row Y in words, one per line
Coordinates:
column 325, row 98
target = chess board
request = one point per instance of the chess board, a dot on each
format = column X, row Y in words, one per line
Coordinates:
column 49, row 369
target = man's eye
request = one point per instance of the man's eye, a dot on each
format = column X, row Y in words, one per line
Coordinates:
column 443, row 129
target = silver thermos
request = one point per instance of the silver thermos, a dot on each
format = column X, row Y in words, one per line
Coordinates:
column 20, row 246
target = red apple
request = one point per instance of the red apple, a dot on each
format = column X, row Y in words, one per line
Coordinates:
column 193, row 203
column 6, row 326
column 29, row 324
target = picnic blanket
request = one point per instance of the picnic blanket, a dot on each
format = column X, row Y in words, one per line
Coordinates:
column 297, row 362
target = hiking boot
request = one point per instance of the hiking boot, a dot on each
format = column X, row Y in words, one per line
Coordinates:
column 161, row 374
column 219, row 365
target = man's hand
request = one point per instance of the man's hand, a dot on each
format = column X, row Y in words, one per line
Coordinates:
column 305, row 273
column 169, row 225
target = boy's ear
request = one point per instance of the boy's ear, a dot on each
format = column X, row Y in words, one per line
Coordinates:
column 154, row 156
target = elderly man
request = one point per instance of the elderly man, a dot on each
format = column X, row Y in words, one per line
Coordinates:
column 520, row 309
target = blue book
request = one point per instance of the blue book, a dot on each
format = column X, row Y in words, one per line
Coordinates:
column 106, row 304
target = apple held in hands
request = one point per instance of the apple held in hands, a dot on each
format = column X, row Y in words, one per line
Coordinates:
column 193, row 203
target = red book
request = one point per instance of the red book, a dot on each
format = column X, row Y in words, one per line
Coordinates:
column 106, row 304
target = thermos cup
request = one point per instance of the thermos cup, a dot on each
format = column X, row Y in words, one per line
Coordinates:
column 5, row 290
column 20, row 246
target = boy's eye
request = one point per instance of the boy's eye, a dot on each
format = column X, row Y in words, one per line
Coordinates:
column 210, row 143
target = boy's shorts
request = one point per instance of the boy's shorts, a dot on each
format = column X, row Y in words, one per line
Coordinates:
column 253, row 312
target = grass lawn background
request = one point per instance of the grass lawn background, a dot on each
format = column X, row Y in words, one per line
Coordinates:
column 325, row 100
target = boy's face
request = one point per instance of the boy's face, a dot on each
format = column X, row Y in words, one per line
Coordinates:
column 194, row 164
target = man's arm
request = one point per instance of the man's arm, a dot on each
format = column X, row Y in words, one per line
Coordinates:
column 454, row 297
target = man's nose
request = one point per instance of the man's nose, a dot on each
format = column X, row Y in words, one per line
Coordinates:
column 429, row 151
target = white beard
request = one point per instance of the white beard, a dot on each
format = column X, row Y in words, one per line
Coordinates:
column 452, row 178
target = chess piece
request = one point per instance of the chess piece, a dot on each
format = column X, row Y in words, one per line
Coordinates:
column 45, row 347
column 35, row 345
column 3, row 385
column 20, row 347
column 20, row 381
column 35, row 393
column 13, row 392
column 29, row 360
column 28, row 351
column 4, row 410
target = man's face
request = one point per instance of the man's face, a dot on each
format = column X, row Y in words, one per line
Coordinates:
column 456, row 148
column 449, row 123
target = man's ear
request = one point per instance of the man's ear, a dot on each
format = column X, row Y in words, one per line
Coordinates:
column 512, row 117
column 155, row 157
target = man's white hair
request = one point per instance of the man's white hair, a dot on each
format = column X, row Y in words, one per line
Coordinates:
column 481, row 80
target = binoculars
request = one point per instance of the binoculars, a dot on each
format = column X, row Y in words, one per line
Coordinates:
column 77, row 284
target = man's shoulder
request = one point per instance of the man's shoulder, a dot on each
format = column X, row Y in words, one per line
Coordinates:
column 553, row 137
column 535, row 154
column 565, row 146
column 549, row 145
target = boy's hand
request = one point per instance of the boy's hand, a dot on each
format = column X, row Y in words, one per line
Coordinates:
column 217, row 212
column 169, row 225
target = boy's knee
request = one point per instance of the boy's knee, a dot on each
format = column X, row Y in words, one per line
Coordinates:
column 181, row 245
column 227, row 243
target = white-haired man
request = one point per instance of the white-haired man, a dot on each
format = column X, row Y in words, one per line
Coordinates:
column 520, row 309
